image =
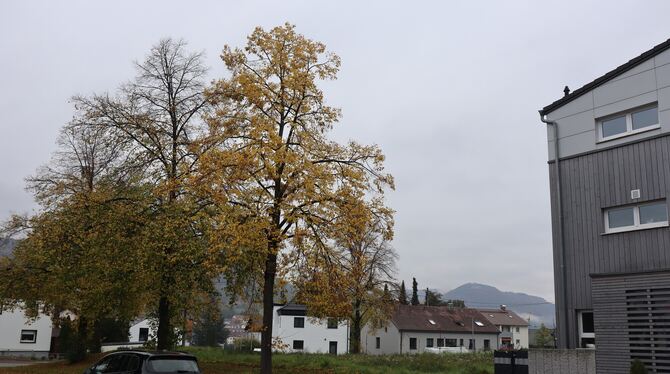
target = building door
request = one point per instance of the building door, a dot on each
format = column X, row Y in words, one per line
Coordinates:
column 332, row 348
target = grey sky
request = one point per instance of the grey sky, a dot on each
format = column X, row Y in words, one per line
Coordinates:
column 449, row 90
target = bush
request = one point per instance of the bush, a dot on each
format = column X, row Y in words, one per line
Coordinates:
column 71, row 343
column 246, row 344
column 637, row 367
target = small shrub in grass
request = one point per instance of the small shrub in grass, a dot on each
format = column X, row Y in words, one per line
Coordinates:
column 637, row 367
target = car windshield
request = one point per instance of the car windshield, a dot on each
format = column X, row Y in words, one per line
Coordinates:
column 173, row 365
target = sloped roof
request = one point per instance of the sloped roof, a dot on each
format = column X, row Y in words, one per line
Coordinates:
column 292, row 310
column 501, row 317
column 444, row 319
column 607, row 77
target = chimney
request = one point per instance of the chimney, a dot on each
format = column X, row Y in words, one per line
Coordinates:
column 503, row 307
column 566, row 90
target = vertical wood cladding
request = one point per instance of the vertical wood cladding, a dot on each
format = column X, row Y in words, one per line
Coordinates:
column 591, row 183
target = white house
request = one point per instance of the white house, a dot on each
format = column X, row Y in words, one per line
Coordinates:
column 294, row 331
column 141, row 331
column 513, row 329
column 23, row 337
column 418, row 329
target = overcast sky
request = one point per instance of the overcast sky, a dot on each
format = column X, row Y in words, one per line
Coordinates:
column 450, row 91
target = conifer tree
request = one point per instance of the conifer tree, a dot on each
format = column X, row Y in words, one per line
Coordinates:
column 402, row 294
column 415, row 292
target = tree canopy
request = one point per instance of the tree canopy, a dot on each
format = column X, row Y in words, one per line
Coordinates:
column 275, row 176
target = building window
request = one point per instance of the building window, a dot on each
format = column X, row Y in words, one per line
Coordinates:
column 440, row 342
column 636, row 217
column 378, row 342
column 471, row 345
column 487, row 344
column 429, row 342
column 144, row 334
column 619, row 125
column 298, row 322
column 28, row 336
column 461, row 343
column 450, row 342
column 412, row 344
column 332, row 323
column 518, row 343
column 517, row 329
column 587, row 336
column 298, row 345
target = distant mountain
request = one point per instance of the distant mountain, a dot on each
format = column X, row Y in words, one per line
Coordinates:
column 7, row 246
column 527, row 306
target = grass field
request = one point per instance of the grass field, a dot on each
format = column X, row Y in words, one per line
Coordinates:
column 216, row 361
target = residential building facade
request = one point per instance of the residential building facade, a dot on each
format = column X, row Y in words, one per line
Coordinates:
column 24, row 337
column 417, row 329
column 609, row 168
column 293, row 330
column 513, row 329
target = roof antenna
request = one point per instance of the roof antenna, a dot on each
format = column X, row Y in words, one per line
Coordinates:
column 566, row 90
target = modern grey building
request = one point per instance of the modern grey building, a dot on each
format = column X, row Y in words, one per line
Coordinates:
column 609, row 167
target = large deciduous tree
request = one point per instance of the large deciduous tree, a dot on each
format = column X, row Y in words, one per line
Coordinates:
column 356, row 269
column 72, row 250
column 158, row 114
column 275, row 175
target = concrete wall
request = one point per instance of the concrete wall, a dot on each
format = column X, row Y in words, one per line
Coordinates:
column 316, row 335
column 11, row 324
column 561, row 361
column 645, row 84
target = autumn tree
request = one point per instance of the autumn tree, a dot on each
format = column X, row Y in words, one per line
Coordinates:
column 415, row 293
column 356, row 270
column 73, row 250
column 158, row 114
column 402, row 294
column 275, row 176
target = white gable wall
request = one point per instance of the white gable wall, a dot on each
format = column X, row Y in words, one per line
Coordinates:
column 134, row 331
column 11, row 324
column 389, row 340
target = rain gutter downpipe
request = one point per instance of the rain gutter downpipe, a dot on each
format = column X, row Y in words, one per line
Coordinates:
column 559, row 207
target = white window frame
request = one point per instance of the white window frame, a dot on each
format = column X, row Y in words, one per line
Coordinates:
column 582, row 334
column 31, row 341
column 629, row 124
column 636, row 218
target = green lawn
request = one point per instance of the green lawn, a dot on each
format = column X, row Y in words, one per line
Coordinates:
column 216, row 361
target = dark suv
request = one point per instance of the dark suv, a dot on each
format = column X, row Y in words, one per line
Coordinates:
column 140, row 362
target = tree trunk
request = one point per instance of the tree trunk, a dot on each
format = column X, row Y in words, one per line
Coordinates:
column 268, row 304
column 355, row 332
column 163, row 324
